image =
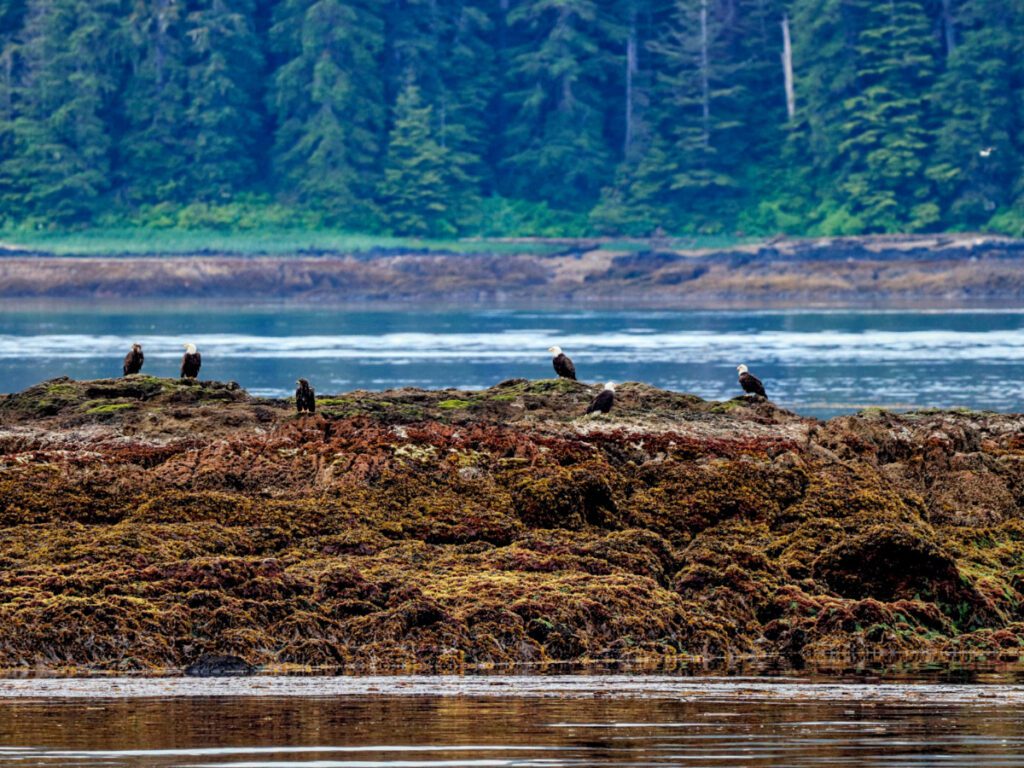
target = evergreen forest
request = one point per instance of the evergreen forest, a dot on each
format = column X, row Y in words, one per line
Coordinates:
column 438, row 118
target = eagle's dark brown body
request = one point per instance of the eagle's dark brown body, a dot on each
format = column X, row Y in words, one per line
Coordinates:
column 603, row 402
column 133, row 360
column 305, row 397
column 190, row 365
column 752, row 385
column 564, row 367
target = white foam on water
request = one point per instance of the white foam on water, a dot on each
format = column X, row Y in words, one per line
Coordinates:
column 827, row 347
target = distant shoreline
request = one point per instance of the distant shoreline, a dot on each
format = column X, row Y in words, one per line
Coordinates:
column 914, row 272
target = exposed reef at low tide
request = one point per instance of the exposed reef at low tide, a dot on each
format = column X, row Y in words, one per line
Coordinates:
column 148, row 523
column 956, row 270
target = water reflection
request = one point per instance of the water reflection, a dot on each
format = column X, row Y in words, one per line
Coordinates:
column 500, row 731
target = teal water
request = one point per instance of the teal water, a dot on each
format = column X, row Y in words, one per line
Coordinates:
column 816, row 362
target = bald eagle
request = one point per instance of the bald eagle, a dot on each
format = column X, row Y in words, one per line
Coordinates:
column 604, row 401
column 563, row 365
column 133, row 360
column 305, row 397
column 191, row 362
column 750, row 383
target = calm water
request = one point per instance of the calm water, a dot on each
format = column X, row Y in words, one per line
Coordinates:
column 818, row 363
column 734, row 722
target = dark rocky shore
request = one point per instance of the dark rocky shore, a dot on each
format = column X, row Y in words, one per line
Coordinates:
column 938, row 270
column 145, row 523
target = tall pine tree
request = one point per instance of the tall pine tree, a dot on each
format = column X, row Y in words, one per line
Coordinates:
column 419, row 178
column 688, row 173
column 58, row 165
column 154, row 163
column 328, row 98
column 977, row 152
column 224, row 81
column 12, row 16
column 885, row 129
column 557, row 150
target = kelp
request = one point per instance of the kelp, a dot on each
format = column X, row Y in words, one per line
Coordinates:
column 440, row 530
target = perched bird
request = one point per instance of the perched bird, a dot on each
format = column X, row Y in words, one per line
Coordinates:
column 604, row 401
column 133, row 360
column 987, row 151
column 305, row 397
column 750, row 383
column 563, row 365
column 191, row 362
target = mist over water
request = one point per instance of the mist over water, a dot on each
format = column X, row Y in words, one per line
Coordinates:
column 818, row 363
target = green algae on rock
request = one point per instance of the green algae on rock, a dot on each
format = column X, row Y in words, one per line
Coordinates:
column 145, row 523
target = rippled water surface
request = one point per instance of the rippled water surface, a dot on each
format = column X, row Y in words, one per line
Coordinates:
column 614, row 722
column 818, row 363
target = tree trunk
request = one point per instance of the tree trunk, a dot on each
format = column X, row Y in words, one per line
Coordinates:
column 949, row 26
column 787, row 69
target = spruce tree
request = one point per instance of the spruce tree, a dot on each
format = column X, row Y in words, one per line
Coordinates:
column 58, row 165
column 556, row 146
column 465, row 93
column 328, row 99
column 687, row 173
column 977, row 156
column 416, row 191
column 12, row 16
column 154, row 163
column 885, row 130
column 224, row 80
column 825, row 65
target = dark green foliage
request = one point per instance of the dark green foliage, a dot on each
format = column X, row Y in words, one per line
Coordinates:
column 978, row 156
column 419, row 177
column 58, row 158
column 441, row 117
column 154, row 151
column 555, row 143
column 224, row 81
column 328, row 100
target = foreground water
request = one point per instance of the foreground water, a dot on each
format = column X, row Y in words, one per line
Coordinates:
column 568, row 721
column 818, row 363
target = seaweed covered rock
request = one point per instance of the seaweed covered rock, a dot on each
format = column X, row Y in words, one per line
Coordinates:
column 148, row 523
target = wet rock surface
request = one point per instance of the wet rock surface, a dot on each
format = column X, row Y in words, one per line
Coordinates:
column 930, row 270
column 146, row 523
column 213, row 665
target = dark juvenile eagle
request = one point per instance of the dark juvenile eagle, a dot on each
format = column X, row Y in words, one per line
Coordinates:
column 133, row 360
column 191, row 362
column 305, row 397
column 750, row 383
column 604, row 401
column 563, row 365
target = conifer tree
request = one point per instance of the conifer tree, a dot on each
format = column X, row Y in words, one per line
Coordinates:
column 465, row 92
column 224, row 80
column 153, row 152
column 59, row 161
column 418, row 174
column 825, row 65
column 556, row 144
column 977, row 153
column 689, row 169
column 885, row 134
column 328, row 99
column 12, row 14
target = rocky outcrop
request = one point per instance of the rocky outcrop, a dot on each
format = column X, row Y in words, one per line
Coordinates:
column 149, row 523
column 937, row 270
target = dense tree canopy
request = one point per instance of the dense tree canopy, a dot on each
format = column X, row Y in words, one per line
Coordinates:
column 445, row 116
